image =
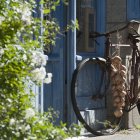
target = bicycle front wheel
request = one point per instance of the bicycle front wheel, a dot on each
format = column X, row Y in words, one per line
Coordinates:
column 92, row 99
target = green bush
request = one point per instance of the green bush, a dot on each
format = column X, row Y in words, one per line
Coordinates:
column 22, row 62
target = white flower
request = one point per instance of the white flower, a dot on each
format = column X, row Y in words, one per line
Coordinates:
column 15, row 0
column 20, row 48
column 32, row 64
column 1, row 52
column 40, row 122
column 49, row 74
column 26, row 14
column 12, row 121
column 19, row 10
column 48, row 79
column 2, row 18
column 2, row 64
column 38, row 74
column 27, row 127
column 24, row 57
column 17, row 134
column 38, row 58
column 29, row 113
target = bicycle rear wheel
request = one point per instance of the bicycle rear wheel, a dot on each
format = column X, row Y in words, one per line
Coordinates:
column 92, row 99
column 133, row 82
column 133, row 88
column 137, row 90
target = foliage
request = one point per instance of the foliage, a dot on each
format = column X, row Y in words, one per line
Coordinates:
column 22, row 62
column 137, row 126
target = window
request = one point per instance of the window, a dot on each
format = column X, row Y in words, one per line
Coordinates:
column 86, row 15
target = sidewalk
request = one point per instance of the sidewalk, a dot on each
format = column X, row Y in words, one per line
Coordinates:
column 121, row 135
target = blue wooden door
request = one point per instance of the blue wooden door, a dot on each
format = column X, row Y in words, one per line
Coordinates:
column 54, row 92
column 133, row 9
column 64, row 57
column 91, row 17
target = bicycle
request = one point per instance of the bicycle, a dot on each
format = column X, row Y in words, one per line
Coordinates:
column 97, row 90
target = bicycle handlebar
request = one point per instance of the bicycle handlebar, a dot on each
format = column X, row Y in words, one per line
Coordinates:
column 97, row 34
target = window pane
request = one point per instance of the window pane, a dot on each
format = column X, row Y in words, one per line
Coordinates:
column 86, row 15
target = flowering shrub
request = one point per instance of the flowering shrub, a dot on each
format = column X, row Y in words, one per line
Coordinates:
column 21, row 61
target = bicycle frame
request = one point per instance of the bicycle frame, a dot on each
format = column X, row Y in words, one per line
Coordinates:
column 132, row 94
column 113, row 117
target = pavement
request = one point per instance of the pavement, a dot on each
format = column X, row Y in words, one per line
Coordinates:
column 131, row 134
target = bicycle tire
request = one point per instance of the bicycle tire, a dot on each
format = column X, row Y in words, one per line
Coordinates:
column 133, row 86
column 138, row 85
column 133, row 92
column 138, row 107
column 93, row 129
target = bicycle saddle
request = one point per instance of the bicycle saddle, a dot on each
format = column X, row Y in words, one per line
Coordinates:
column 135, row 21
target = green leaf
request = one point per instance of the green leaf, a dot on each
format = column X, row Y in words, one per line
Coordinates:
column 46, row 11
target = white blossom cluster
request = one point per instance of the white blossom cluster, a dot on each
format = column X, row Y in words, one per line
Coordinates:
column 38, row 74
column 24, row 10
column 1, row 52
column 12, row 121
column 29, row 113
column 2, row 18
column 19, row 127
column 48, row 79
column 26, row 14
column 38, row 61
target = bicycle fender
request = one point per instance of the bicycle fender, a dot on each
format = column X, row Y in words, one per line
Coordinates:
column 101, row 59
